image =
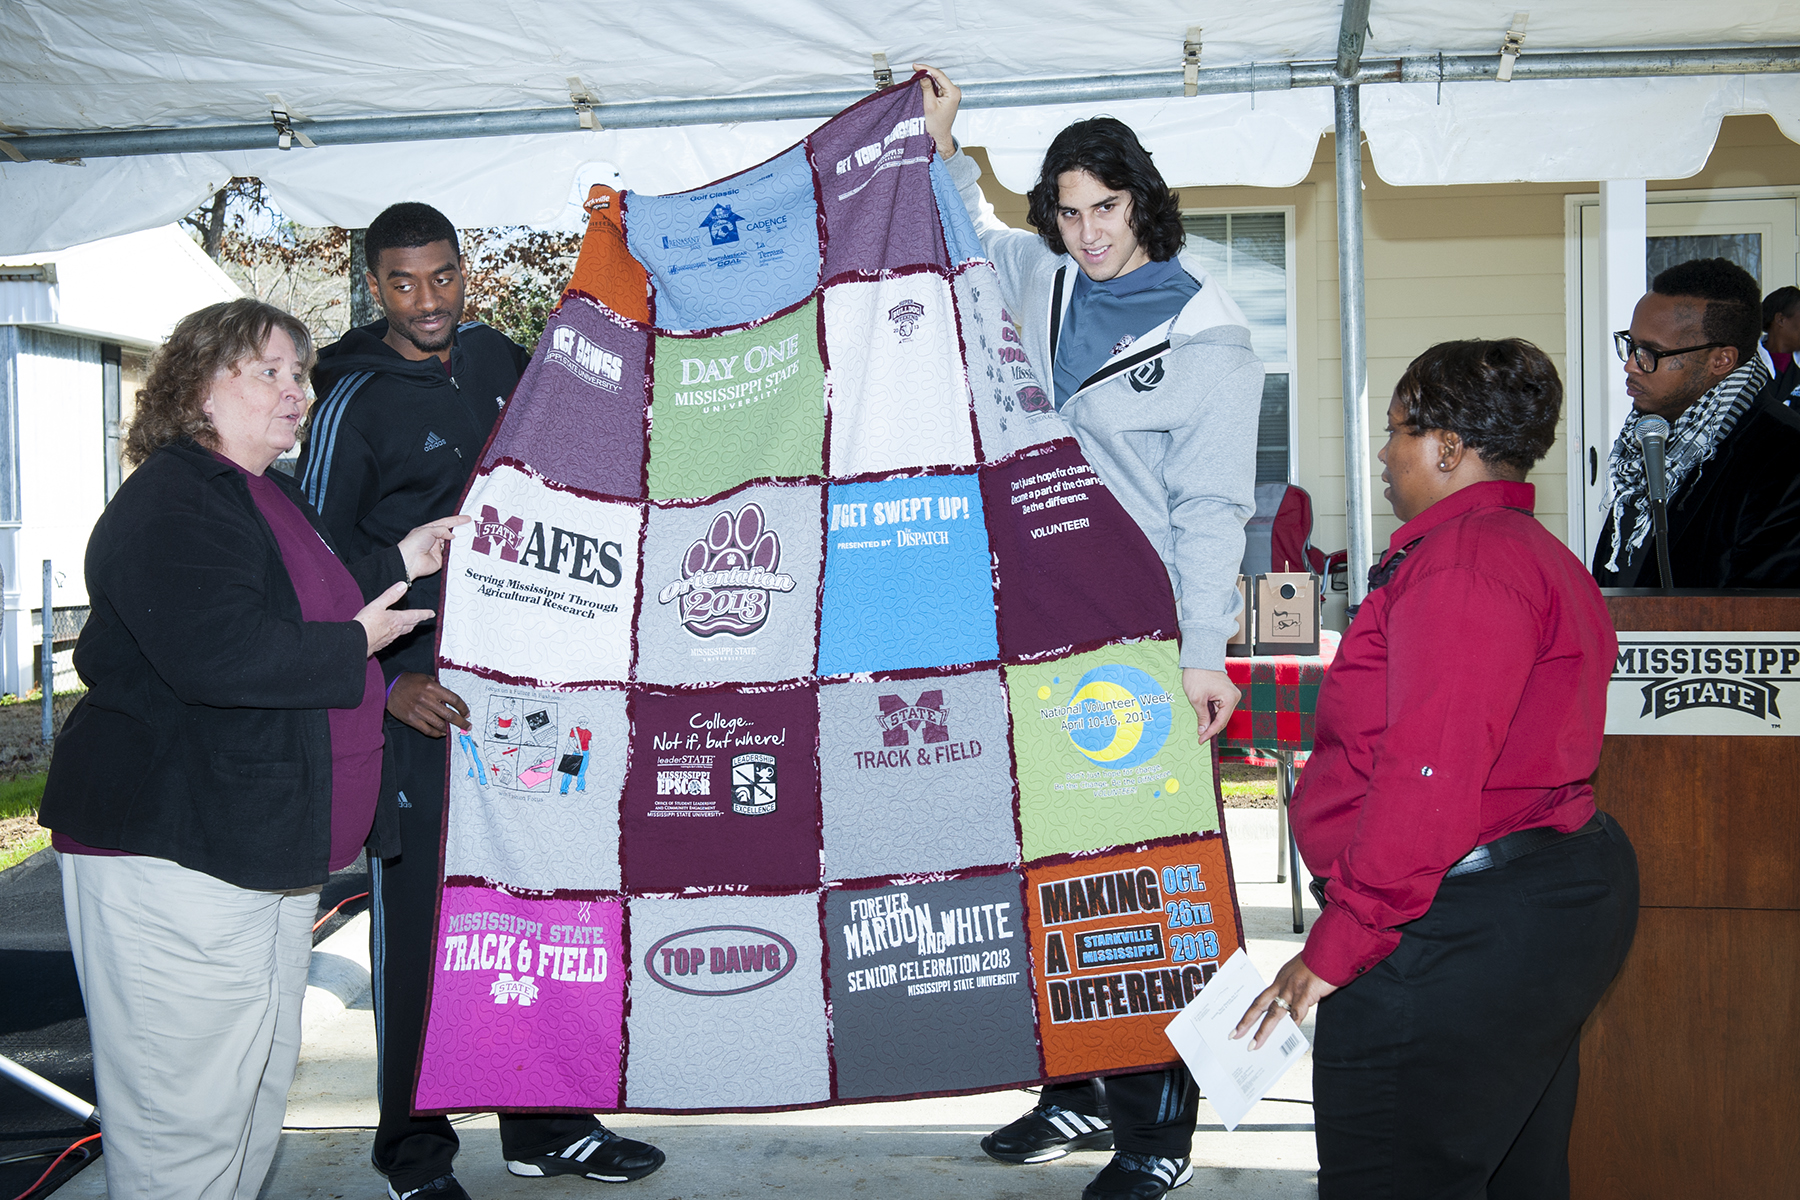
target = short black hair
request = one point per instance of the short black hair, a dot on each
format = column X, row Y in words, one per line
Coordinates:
column 1779, row 303
column 1733, row 300
column 1107, row 149
column 1503, row 398
column 404, row 226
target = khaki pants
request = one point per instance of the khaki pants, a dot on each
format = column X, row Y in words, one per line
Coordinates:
column 193, row 990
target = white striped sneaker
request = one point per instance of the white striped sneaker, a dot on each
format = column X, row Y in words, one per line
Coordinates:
column 1047, row 1133
column 1138, row 1177
column 599, row 1154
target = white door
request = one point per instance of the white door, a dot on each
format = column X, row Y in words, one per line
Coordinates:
column 1760, row 235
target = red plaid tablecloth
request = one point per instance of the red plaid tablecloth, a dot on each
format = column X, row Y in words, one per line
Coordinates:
column 1281, row 692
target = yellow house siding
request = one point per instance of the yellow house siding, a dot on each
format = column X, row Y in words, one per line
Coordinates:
column 1438, row 264
column 1750, row 152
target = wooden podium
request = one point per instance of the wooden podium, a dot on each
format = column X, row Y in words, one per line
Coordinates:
column 1690, row 1067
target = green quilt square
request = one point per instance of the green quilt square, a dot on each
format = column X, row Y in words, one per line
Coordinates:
column 731, row 407
column 1108, row 751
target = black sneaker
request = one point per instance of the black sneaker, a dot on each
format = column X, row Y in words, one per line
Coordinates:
column 1138, row 1177
column 1047, row 1133
column 599, row 1154
column 444, row 1187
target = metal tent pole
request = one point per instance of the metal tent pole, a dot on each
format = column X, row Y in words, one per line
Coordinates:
column 1354, row 349
column 38, row 1086
column 47, row 661
column 1134, row 85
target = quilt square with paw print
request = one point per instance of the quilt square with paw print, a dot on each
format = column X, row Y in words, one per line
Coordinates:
column 731, row 588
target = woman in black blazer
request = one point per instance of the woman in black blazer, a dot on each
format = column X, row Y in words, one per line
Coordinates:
column 225, row 759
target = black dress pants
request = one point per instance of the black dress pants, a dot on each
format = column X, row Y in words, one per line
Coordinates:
column 1449, row 1070
column 1152, row 1112
column 411, row 1150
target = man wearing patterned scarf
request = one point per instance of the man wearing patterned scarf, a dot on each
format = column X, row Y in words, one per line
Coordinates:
column 1734, row 495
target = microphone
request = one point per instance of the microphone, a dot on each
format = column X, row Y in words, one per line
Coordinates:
column 1652, row 436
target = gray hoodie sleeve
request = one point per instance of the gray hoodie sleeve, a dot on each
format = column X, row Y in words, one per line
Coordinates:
column 1209, row 478
column 1018, row 255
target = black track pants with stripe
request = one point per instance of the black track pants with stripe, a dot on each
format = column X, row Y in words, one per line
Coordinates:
column 1152, row 1112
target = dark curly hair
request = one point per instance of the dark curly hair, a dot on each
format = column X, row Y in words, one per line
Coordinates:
column 1107, row 149
column 212, row 339
column 1502, row 398
column 407, row 225
column 1733, row 300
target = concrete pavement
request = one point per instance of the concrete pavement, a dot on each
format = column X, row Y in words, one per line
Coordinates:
column 898, row 1151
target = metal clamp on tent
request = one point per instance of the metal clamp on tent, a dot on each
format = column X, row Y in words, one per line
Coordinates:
column 29, row 273
column 884, row 74
column 285, row 133
column 583, row 98
column 1190, row 62
column 1510, row 47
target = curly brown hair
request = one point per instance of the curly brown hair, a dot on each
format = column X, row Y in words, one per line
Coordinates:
column 209, row 340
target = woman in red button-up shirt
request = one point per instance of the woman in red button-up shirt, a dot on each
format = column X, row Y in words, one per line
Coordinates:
column 1476, row 904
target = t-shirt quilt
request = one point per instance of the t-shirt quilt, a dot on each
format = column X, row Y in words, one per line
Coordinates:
column 827, row 734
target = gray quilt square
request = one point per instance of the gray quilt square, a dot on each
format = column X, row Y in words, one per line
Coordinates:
column 1012, row 405
column 915, row 775
column 535, row 785
column 731, row 588
column 727, row 1003
column 930, row 989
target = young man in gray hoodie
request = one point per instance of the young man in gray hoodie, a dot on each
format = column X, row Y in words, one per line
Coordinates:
column 1154, row 374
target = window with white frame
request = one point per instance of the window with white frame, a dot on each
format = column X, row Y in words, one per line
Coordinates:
column 1250, row 254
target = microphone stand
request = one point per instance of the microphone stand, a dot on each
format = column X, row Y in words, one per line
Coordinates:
column 1652, row 436
column 1659, row 521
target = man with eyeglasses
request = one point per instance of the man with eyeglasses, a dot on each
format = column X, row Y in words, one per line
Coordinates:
column 1734, row 491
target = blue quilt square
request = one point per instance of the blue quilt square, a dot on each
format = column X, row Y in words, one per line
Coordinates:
column 733, row 251
column 907, row 576
column 960, row 237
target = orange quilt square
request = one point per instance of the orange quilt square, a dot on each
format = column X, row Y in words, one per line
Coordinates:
column 1120, row 944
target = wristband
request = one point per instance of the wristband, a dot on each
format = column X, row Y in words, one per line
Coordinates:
column 390, row 688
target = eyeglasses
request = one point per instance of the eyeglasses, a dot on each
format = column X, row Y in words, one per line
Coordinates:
column 1646, row 357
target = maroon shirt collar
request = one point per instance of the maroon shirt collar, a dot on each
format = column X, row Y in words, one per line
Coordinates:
column 1493, row 494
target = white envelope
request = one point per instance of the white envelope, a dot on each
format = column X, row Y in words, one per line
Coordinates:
column 1232, row 1075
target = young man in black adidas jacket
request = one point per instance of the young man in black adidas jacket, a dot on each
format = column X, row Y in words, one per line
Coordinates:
column 405, row 406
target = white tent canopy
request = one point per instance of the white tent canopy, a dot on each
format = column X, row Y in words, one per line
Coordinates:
column 94, row 65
